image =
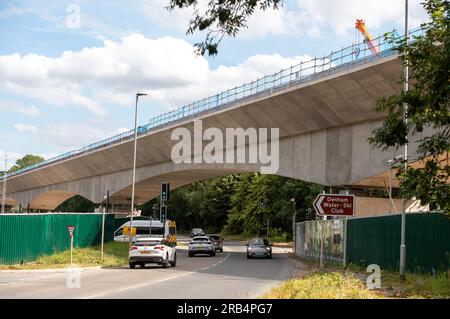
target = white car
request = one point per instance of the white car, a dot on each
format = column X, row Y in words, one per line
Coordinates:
column 152, row 251
column 201, row 245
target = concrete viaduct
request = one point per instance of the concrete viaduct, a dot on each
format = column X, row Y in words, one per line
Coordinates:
column 323, row 124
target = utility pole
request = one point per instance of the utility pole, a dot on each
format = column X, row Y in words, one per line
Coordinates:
column 5, row 175
column 294, row 237
column 405, row 156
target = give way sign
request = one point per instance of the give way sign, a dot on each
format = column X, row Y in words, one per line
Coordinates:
column 70, row 229
column 335, row 205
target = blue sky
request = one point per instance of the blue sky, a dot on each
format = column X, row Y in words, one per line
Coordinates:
column 65, row 82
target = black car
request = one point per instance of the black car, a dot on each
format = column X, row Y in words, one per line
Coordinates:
column 259, row 247
column 218, row 242
column 197, row 232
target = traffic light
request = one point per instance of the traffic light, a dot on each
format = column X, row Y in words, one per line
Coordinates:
column 165, row 190
column 165, row 193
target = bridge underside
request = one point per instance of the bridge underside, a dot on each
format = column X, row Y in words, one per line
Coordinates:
column 333, row 157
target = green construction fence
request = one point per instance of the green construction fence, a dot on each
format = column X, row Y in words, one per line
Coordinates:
column 376, row 240
column 25, row 237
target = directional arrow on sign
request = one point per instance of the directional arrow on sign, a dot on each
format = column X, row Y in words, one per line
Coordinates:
column 318, row 205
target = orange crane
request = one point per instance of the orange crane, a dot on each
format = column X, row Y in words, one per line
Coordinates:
column 361, row 26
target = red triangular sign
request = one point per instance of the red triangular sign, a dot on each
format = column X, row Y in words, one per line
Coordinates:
column 70, row 229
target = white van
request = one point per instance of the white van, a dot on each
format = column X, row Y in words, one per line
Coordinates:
column 141, row 229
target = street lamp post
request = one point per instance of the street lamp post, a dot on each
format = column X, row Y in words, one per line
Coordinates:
column 405, row 89
column 134, row 165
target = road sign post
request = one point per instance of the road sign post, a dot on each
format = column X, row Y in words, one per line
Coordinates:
column 71, row 229
column 332, row 205
column 322, row 226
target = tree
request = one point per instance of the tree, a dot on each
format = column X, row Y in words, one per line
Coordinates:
column 26, row 161
column 76, row 204
column 222, row 17
column 246, row 214
column 428, row 102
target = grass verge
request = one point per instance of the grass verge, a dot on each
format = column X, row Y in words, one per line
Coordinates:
column 333, row 282
column 322, row 286
column 415, row 285
column 115, row 255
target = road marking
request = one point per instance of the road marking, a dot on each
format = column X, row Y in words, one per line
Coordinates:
column 156, row 281
column 216, row 264
column 138, row 286
column 24, row 280
column 31, row 279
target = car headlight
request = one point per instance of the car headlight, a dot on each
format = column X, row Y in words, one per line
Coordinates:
column 268, row 248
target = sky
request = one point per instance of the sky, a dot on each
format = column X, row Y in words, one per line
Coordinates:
column 69, row 70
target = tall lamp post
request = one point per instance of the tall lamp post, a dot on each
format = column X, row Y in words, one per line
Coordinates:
column 134, row 165
column 405, row 89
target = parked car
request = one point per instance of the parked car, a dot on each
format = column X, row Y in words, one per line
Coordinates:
column 152, row 251
column 259, row 247
column 197, row 232
column 218, row 242
column 201, row 245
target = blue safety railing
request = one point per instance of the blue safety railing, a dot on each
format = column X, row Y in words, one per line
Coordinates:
column 344, row 59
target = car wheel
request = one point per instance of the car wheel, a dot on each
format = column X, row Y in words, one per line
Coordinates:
column 165, row 263
column 248, row 256
column 213, row 253
column 221, row 250
column 269, row 256
column 174, row 262
column 191, row 254
column 132, row 265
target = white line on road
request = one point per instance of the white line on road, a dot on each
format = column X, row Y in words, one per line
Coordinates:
column 25, row 280
column 155, row 281
column 217, row 263
column 138, row 286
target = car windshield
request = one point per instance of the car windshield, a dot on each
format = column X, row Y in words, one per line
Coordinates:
column 259, row 241
column 201, row 239
column 147, row 243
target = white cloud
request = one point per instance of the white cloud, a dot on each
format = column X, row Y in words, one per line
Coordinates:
column 305, row 17
column 11, row 159
column 341, row 15
column 166, row 68
column 16, row 107
column 122, row 130
column 25, row 128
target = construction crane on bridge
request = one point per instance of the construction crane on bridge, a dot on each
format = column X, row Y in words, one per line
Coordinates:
column 361, row 26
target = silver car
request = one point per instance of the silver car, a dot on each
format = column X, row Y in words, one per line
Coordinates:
column 259, row 247
column 201, row 245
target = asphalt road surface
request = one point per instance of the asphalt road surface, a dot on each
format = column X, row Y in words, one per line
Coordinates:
column 227, row 275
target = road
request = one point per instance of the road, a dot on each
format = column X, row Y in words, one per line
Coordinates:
column 227, row 275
